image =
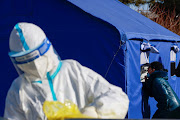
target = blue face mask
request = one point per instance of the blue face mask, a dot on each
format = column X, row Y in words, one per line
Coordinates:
column 148, row 75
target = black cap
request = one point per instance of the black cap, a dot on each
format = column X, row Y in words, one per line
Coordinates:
column 156, row 65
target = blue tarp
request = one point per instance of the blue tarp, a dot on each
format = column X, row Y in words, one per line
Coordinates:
column 91, row 32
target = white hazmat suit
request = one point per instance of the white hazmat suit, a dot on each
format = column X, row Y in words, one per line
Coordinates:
column 44, row 77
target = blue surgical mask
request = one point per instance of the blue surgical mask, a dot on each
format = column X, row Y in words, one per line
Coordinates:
column 148, row 75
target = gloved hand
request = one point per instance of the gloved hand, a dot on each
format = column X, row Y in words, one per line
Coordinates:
column 90, row 111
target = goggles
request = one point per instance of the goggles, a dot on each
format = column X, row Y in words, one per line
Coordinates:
column 28, row 56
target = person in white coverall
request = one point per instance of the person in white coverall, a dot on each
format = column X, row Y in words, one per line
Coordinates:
column 43, row 76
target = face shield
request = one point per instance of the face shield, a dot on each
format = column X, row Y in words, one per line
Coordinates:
column 37, row 62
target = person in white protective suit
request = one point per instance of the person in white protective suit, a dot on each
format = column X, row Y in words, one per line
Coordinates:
column 43, row 76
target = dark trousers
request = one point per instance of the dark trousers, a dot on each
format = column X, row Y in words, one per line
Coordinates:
column 175, row 114
column 161, row 114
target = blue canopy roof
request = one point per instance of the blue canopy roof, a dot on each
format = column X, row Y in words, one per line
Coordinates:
column 126, row 20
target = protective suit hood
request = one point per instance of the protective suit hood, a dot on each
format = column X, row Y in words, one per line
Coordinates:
column 31, row 52
column 25, row 37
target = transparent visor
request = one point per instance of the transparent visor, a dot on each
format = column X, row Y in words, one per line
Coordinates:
column 35, row 62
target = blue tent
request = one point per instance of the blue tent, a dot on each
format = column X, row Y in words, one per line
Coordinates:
column 104, row 35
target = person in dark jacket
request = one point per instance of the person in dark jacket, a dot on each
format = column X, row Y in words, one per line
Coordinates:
column 157, row 86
